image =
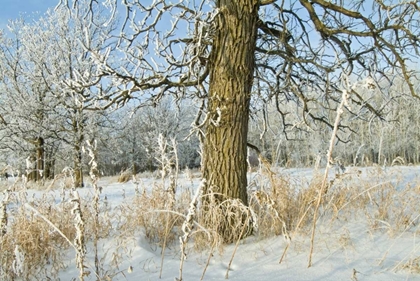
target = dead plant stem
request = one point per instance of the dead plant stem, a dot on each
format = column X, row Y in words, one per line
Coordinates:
column 323, row 189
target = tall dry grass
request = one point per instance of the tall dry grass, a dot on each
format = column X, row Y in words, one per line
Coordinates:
column 30, row 248
column 35, row 244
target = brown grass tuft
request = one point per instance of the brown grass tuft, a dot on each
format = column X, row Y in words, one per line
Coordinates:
column 125, row 176
column 30, row 247
column 150, row 213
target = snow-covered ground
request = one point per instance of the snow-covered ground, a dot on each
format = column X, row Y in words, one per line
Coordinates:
column 349, row 250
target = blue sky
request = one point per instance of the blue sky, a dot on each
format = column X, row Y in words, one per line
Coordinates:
column 11, row 9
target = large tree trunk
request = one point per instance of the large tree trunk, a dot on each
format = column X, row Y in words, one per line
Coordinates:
column 40, row 150
column 231, row 77
column 78, row 130
column 49, row 164
column 35, row 163
column 78, row 166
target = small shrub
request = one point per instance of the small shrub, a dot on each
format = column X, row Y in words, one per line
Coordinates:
column 125, row 176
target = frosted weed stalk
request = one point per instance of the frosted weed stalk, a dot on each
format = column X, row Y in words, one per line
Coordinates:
column 168, row 160
column 94, row 176
column 79, row 240
column 188, row 226
column 324, row 188
column 100, row 224
column 154, row 210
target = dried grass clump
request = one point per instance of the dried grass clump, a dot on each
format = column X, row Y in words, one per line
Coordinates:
column 412, row 265
column 99, row 227
column 281, row 208
column 125, row 176
column 188, row 227
column 225, row 221
column 393, row 210
column 152, row 213
column 60, row 216
column 30, row 248
column 387, row 205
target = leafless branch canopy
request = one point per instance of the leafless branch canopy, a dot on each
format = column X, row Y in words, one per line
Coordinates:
column 308, row 51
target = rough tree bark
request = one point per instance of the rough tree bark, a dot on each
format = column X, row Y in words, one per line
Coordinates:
column 35, row 173
column 231, row 78
column 78, row 127
column 40, row 150
column 78, row 170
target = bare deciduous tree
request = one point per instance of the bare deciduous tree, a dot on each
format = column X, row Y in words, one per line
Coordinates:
column 42, row 64
column 228, row 53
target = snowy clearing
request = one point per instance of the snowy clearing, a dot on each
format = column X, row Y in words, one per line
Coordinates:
column 348, row 246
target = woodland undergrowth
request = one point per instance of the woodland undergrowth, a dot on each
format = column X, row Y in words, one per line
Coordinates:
column 38, row 234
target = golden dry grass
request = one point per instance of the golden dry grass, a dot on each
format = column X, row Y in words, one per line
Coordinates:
column 277, row 207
